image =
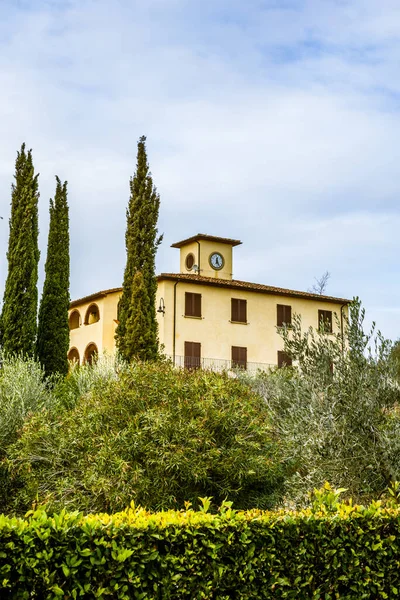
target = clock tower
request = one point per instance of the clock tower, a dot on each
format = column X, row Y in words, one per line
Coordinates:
column 207, row 256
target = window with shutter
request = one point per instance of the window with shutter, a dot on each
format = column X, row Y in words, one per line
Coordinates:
column 238, row 310
column 325, row 321
column 283, row 315
column 239, row 357
column 192, row 359
column 192, row 305
column 284, row 359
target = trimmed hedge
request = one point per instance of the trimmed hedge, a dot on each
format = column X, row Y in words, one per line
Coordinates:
column 324, row 552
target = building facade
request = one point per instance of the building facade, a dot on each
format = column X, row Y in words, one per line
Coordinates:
column 205, row 317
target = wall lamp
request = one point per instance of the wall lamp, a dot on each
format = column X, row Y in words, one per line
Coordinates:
column 161, row 308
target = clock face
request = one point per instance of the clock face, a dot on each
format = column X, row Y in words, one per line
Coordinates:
column 217, row 261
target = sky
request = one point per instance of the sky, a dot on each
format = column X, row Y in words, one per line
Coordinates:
column 276, row 122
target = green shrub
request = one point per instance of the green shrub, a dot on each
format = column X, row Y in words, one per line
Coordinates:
column 329, row 551
column 337, row 409
column 23, row 392
column 154, row 435
column 82, row 379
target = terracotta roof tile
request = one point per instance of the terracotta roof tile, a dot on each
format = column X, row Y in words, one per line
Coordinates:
column 221, row 283
column 205, row 236
column 94, row 296
column 248, row 286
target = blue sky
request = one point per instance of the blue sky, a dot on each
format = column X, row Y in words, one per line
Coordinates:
column 274, row 122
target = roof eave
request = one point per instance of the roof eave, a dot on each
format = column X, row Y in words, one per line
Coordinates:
column 95, row 296
column 205, row 236
column 234, row 284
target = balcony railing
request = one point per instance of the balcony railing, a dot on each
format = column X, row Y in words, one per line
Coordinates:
column 218, row 364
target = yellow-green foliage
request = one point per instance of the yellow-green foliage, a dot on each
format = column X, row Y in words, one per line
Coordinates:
column 329, row 551
column 154, row 435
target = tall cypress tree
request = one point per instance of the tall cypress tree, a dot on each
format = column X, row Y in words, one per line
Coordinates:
column 19, row 313
column 139, row 338
column 53, row 332
column 141, row 242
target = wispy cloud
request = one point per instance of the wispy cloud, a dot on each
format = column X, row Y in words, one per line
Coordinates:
column 275, row 122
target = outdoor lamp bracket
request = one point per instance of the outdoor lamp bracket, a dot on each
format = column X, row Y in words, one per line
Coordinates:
column 161, row 308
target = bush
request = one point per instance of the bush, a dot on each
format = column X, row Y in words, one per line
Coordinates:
column 23, row 391
column 337, row 409
column 83, row 379
column 154, row 435
column 331, row 550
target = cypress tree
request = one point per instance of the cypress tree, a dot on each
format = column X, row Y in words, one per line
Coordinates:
column 53, row 331
column 19, row 313
column 137, row 303
column 139, row 334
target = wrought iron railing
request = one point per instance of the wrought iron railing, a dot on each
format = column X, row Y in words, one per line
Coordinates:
column 218, row 364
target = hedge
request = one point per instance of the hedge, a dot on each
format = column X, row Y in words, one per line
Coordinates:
column 341, row 552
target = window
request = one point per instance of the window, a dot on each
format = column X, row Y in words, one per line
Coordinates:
column 284, row 360
column 92, row 314
column 192, row 355
column 283, row 315
column 74, row 319
column 325, row 321
column 73, row 355
column 91, row 354
column 239, row 357
column 238, row 310
column 192, row 305
column 189, row 261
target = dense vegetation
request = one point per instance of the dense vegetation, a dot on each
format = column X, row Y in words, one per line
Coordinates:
column 150, row 434
column 330, row 550
column 111, row 433
column 338, row 411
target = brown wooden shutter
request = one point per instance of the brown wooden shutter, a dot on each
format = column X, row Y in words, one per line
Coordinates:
column 192, row 355
column 189, row 261
column 192, row 304
column 238, row 310
column 328, row 320
column 235, row 355
column 283, row 315
column 243, row 357
column 188, row 305
column 279, row 315
column 197, row 305
column 239, row 357
column 325, row 317
column 243, row 311
column 235, row 309
column 283, row 359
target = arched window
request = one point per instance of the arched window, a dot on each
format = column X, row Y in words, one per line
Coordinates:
column 74, row 319
column 73, row 355
column 91, row 354
column 92, row 314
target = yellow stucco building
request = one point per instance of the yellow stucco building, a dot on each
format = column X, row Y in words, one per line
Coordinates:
column 205, row 317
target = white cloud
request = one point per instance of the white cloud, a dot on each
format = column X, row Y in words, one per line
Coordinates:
column 274, row 123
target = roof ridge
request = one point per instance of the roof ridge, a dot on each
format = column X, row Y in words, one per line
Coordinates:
column 206, row 236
